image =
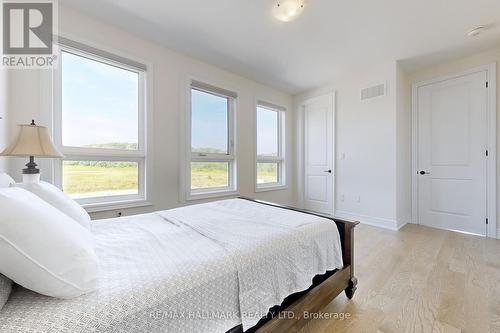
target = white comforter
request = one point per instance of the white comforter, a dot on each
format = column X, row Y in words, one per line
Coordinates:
column 276, row 251
column 202, row 268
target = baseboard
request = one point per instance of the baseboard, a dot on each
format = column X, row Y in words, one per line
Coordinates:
column 371, row 220
column 402, row 225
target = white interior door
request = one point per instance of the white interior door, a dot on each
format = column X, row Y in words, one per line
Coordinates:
column 451, row 155
column 318, row 162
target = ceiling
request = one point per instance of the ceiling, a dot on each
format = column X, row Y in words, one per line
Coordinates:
column 329, row 40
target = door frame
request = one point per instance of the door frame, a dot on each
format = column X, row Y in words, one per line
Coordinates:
column 491, row 209
column 302, row 147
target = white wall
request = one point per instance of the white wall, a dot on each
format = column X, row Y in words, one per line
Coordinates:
column 170, row 75
column 3, row 115
column 376, row 139
column 374, row 135
column 450, row 67
column 403, row 147
column 24, row 104
column 366, row 134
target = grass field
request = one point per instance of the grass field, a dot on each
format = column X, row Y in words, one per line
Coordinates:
column 91, row 179
column 215, row 174
column 267, row 173
column 96, row 180
column 210, row 174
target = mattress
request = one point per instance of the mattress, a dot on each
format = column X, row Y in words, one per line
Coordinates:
column 200, row 268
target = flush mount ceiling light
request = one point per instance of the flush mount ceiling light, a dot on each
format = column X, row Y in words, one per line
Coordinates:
column 288, row 10
column 477, row 31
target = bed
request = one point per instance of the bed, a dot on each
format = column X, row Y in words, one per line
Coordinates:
column 214, row 267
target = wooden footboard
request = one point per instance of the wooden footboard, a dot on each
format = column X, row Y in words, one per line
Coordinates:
column 292, row 318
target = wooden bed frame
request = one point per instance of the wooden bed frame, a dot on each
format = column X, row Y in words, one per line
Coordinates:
column 324, row 289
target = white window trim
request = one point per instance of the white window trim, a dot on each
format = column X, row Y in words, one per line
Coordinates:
column 232, row 189
column 97, row 204
column 281, row 158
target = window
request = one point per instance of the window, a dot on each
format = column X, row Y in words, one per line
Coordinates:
column 100, row 126
column 270, row 167
column 211, row 159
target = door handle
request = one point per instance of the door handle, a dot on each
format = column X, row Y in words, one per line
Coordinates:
column 329, row 171
column 424, row 173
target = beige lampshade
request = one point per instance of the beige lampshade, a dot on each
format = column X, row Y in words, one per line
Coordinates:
column 33, row 140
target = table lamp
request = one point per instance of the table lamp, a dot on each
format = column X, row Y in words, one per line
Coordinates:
column 33, row 140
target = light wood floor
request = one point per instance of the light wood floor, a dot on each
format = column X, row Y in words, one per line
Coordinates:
column 419, row 280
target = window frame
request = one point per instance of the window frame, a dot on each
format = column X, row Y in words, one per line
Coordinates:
column 139, row 156
column 230, row 157
column 280, row 159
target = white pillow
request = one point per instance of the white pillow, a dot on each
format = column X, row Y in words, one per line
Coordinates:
column 59, row 200
column 43, row 249
column 5, row 288
column 5, row 180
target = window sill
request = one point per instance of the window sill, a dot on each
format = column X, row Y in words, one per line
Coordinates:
column 271, row 188
column 208, row 195
column 107, row 206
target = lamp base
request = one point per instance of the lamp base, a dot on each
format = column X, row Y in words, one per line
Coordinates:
column 31, row 167
column 31, row 174
column 31, row 178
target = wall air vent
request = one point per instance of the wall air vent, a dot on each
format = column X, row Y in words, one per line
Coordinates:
column 372, row 92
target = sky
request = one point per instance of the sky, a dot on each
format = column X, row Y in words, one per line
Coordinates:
column 209, row 121
column 209, row 124
column 92, row 112
column 100, row 105
column 267, row 127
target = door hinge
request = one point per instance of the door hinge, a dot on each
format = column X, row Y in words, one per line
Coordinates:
column 487, row 84
column 486, row 220
column 486, row 152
